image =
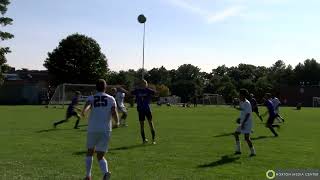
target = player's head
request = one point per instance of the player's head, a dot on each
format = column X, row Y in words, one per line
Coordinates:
column 267, row 95
column 252, row 95
column 114, row 90
column 243, row 94
column 143, row 83
column 101, row 85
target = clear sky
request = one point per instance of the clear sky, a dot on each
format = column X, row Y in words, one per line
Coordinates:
column 205, row 33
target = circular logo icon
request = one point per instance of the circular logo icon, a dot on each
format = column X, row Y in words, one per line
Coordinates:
column 271, row 174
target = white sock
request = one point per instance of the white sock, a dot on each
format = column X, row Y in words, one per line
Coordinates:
column 238, row 148
column 89, row 160
column 253, row 151
column 103, row 166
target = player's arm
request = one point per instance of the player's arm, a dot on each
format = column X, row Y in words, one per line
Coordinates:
column 86, row 108
column 115, row 116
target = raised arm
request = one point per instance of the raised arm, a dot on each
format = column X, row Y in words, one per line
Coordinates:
column 86, row 108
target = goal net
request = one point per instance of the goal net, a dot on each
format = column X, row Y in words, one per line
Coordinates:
column 212, row 99
column 316, row 101
column 64, row 93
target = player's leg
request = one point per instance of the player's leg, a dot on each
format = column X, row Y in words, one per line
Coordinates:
column 78, row 120
column 258, row 114
column 249, row 142
column 68, row 116
column 89, row 159
column 270, row 125
column 124, row 116
column 101, row 148
column 91, row 142
column 152, row 129
column 238, row 145
column 141, row 121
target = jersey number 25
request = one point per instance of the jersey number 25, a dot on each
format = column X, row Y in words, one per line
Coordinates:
column 100, row 101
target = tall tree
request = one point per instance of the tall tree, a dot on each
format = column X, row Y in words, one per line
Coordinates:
column 77, row 59
column 4, row 21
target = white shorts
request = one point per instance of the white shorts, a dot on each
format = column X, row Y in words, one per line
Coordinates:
column 246, row 130
column 98, row 140
column 122, row 109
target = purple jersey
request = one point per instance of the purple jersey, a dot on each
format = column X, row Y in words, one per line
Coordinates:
column 143, row 98
column 270, row 107
column 73, row 104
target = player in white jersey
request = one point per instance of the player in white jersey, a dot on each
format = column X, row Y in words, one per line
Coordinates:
column 120, row 94
column 103, row 109
column 244, row 123
column 276, row 103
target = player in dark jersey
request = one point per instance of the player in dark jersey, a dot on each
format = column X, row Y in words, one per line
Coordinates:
column 272, row 114
column 254, row 106
column 71, row 111
column 143, row 96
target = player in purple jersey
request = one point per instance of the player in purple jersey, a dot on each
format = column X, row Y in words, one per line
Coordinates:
column 254, row 106
column 143, row 96
column 272, row 114
column 71, row 111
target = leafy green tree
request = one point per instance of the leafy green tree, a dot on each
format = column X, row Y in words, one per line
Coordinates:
column 77, row 59
column 4, row 21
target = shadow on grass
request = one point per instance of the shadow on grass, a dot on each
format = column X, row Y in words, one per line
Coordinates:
column 128, row 147
column 224, row 160
column 261, row 137
column 223, row 135
column 84, row 125
column 49, row 130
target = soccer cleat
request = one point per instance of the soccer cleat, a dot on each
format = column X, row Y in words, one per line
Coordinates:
column 252, row 155
column 87, row 178
column 154, row 142
column 106, row 176
column 145, row 141
column 54, row 125
column 76, row 128
column 237, row 153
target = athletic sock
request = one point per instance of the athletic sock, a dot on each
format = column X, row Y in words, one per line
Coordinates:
column 253, row 151
column 103, row 166
column 77, row 123
column 89, row 160
column 238, row 146
column 153, row 134
column 143, row 136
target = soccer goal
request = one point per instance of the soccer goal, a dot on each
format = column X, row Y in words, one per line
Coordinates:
column 316, row 101
column 64, row 93
column 212, row 99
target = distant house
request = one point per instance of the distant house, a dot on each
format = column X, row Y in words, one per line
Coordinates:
column 24, row 87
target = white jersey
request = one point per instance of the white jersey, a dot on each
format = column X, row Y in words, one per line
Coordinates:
column 245, row 107
column 101, row 114
column 120, row 99
column 276, row 103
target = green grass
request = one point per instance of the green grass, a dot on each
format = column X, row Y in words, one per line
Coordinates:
column 193, row 143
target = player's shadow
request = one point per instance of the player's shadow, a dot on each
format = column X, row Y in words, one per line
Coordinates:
column 128, row 147
column 226, row 159
column 223, row 135
column 49, row 130
column 260, row 137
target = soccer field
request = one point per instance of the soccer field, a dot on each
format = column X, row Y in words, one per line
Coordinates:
column 193, row 143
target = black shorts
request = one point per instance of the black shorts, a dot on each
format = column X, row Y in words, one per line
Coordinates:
column 256, row 110
column 143, row 114
column 71, row 113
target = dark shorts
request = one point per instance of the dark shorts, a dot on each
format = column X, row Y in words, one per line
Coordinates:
column 256, row 110
column 271, row 119
column 143, row 114
column 71, row 113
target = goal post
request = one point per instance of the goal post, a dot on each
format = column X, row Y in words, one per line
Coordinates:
column 212, row 99
column 64, row 93
column 315, row 101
